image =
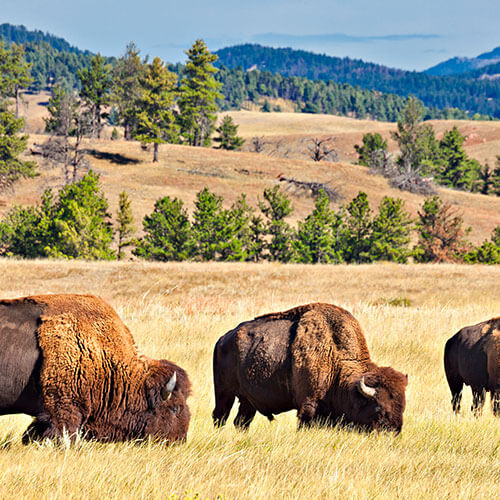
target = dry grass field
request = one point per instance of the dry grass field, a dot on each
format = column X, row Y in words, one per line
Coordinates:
column 179, row 310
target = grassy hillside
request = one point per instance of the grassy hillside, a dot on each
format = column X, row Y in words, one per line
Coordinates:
column 182, row 171
column 179, row 310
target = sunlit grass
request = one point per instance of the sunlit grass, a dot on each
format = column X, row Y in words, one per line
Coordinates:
column 179, row 310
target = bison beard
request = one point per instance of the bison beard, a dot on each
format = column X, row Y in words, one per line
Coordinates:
column 70, row 362
column 312, row 358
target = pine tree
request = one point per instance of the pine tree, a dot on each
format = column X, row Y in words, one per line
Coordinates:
column 96, row 82
column 441, row 236
column 14, row 72
column 276, row 207
column 156, row 119
column 209, row 223
column 11, row 146
column 316, row 241
column 168, row 234
column 126, row 91
column 358, row 227
column 198, row 94
column 391, row 230
column 125, row 224
column 457, row 170
column 228, row 135
column 372, row 145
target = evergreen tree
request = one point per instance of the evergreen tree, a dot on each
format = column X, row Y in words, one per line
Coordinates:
column 441, row 237
column 126, row 91
column 156, row 119
column 228, row 135
column 96, row 82
column 198, row 94
column 457, row 170
column 372, row 144
column 316, row 241
column 14, row 72
column 11, row 146
column 63, row 108
column 276, row 207
column 125, row 224
column 357, row 231
column 168, row 234
column 209, row 224
column 81, row 223
column 256, row 242
column 391, row 230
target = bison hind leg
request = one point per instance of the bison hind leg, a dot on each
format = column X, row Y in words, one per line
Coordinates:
column 38, row 430
column 246, row 412
column 478, row 396
column 495, row 402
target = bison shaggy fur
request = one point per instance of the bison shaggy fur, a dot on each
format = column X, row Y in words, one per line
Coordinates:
column 70, row 362
column 472, row 357
column 312, row 358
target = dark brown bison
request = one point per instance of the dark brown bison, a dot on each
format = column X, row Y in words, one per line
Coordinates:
column 312, row 358
column 70, row 362
column 472, row 357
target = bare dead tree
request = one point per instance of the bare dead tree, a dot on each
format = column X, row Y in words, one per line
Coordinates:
column 321, row 149
column 313, row 188
column 258, row 144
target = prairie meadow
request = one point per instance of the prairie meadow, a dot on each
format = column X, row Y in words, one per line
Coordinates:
column 179, row 310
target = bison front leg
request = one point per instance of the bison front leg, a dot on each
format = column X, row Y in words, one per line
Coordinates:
column 495, row 402
column 246, row 412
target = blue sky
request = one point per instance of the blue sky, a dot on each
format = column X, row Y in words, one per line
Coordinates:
column 397, row 33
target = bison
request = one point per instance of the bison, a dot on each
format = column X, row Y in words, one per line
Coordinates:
column 312, row 358
column 472, row 357
column 70, row 362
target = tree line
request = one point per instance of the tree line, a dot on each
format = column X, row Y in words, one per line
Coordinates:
column 423, row 160
column 76, row 223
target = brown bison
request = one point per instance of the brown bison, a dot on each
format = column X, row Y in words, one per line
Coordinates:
column 312, row 358
column 70, row 362
column 472, row 357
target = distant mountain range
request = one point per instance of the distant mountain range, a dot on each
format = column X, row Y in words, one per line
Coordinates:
column 461, row 65
column 466, row 91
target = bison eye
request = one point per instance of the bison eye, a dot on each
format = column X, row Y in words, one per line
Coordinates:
column 175, row 409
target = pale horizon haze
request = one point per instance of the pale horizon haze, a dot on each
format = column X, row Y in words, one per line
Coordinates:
column 389, row 32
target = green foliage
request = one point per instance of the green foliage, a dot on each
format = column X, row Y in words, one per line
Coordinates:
column 168, row 234
column 96, row 84
column 316, row 240
column 126, row 91
column 155, row 113
column 228, row 135
column 391, row 229
column 63, row 109
column 372, row 143
column 75, row 225
column 11, row 146
column 276, row 206
column 125, row 223
column 198, row 91
column 457, row 170
column 488, row 252
column 441, row 237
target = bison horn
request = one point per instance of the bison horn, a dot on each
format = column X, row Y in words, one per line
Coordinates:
column 367, row 391
column 166, row 392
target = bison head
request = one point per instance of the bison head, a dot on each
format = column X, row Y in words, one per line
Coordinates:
column 378, row 399
column 167, row 415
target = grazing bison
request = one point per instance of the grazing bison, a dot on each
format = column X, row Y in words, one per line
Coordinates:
column 472, row 357
column 70, row 362
column 312, row 358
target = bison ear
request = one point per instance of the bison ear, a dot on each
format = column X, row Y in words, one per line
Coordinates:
column 156, row 393
column 365, row 390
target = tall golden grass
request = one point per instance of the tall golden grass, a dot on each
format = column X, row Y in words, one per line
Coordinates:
column 179, row 310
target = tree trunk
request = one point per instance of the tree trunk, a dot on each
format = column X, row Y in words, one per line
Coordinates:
column 17, row 102
column 155, row 152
